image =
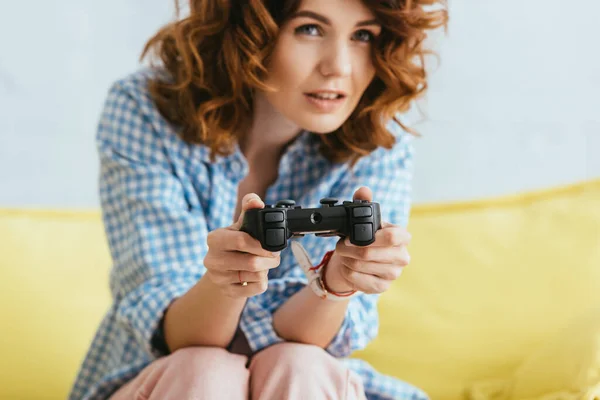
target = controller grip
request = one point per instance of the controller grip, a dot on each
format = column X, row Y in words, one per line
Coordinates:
column 273, row 238
column 250, row 223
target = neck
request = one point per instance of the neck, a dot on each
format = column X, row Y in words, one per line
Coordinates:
column 268, row 136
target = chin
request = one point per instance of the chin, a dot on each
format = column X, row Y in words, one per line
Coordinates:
column 320, row 123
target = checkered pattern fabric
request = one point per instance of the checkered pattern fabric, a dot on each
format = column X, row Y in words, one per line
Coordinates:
column 161, row 196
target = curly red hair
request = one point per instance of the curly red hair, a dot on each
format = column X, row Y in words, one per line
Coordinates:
column 216, row 57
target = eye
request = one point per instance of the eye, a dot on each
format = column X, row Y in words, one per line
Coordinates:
column 364, row 36
column 308, row 29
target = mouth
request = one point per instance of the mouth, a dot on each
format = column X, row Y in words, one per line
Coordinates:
column 325, row 101
column 326, row 95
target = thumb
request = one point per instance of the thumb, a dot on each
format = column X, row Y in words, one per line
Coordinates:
column 249, row 201
column 363, row 193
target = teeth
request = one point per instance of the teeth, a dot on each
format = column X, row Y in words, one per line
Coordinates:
column 325, row 96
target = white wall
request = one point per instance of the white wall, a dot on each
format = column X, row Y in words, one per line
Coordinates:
column 513, row 105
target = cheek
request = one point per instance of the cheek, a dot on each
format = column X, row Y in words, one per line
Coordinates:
column 367, row 73
column 289, row 66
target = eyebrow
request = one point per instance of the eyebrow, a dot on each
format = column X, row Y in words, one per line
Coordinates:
column 326, row 21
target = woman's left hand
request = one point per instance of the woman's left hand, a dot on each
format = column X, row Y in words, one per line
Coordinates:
column 373, row 268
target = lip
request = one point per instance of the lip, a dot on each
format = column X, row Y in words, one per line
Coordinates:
column 336, row 91
column 326, row 106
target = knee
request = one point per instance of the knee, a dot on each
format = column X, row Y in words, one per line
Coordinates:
column 292, row 370
column 200, row 361
column 296, row 358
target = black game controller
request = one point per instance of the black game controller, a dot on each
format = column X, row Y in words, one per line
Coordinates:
column 275, row 224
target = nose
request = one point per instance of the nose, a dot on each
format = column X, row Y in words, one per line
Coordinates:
column 336, row 60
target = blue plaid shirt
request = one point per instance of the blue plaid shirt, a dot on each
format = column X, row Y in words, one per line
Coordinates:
column 161, row 196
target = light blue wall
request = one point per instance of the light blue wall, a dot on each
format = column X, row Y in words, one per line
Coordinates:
column 513, row 106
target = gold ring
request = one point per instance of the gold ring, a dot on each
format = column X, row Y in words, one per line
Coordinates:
column 244, row 283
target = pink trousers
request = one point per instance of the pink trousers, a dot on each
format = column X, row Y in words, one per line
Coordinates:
column 288, row 371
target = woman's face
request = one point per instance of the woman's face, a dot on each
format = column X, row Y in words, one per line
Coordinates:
column 321, row 64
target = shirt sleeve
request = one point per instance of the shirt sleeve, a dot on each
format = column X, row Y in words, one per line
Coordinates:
column 387, row 173
column 156, row 241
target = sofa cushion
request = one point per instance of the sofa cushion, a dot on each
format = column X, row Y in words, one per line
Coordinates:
column 489, row 282
column 54, row 270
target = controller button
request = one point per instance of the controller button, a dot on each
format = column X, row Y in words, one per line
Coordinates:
column 329, row 201
column 275, row 237
column 274, row 216
column 285, row 203
column 361, row 212
column 363, row 232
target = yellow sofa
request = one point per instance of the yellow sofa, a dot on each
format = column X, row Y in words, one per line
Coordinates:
column 501, row 300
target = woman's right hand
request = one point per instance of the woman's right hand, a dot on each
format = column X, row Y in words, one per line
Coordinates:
column 234, row 257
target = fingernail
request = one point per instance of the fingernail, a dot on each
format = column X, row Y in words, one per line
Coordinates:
column 276, row 253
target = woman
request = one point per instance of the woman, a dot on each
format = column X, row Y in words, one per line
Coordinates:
column 254, row 103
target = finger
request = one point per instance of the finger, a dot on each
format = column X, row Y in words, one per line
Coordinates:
column 252, row 200
column 385, row 224
column 247, row 276
column 391, row 236
column 225, row 278
column 233, row 240
column 386, row 255
column 363, row 193
column 250, row 290
column 366, row 283
column 388, row 236
column 237, row 261
column 388, row 272
column 249, row 201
